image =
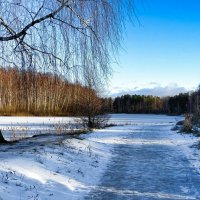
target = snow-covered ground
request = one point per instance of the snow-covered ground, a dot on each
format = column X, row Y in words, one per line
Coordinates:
column 71, row 167
column 14, row 128
column 51, row 167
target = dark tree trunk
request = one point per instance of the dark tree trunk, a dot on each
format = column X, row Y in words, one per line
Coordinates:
column 2, row 140
column 90, row 124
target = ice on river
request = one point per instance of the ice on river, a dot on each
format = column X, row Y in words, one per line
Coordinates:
column 141, row 158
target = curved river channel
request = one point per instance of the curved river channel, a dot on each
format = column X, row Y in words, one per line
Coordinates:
column 148, row 163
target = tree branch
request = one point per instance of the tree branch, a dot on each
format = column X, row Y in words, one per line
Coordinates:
column 33, row 23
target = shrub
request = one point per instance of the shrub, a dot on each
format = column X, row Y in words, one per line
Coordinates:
column 187, row 124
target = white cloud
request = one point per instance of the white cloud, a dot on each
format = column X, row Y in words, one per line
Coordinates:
column 152, row 88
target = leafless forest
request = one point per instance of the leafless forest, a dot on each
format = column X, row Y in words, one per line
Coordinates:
column 25, row 92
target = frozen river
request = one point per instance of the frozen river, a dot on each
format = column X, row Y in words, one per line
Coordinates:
column 148, row 163
column 139, row 159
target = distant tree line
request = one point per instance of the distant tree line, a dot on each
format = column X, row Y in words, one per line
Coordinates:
column 179, row 104
column 137, row 104
column 34, row 93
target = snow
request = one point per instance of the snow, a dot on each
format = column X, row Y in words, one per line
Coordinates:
column 189, row 145
column 69, row 167
column 59, row 169
column 142, row 119
column 14, row 128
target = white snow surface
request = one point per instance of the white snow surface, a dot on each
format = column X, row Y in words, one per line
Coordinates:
column 14, row 128
column 67, row 167
column 51, row 167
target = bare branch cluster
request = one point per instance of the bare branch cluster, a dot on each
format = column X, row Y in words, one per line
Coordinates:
column 67, row 37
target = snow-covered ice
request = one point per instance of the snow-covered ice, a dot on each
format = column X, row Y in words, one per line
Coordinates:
column 118, row 162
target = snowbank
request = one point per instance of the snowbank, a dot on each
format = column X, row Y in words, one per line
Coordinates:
column 60, row 168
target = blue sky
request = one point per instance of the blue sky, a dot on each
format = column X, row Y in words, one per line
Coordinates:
column 163, row 51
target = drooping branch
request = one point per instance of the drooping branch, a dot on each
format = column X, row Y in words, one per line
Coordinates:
column 66, row 37
column 33, row 23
